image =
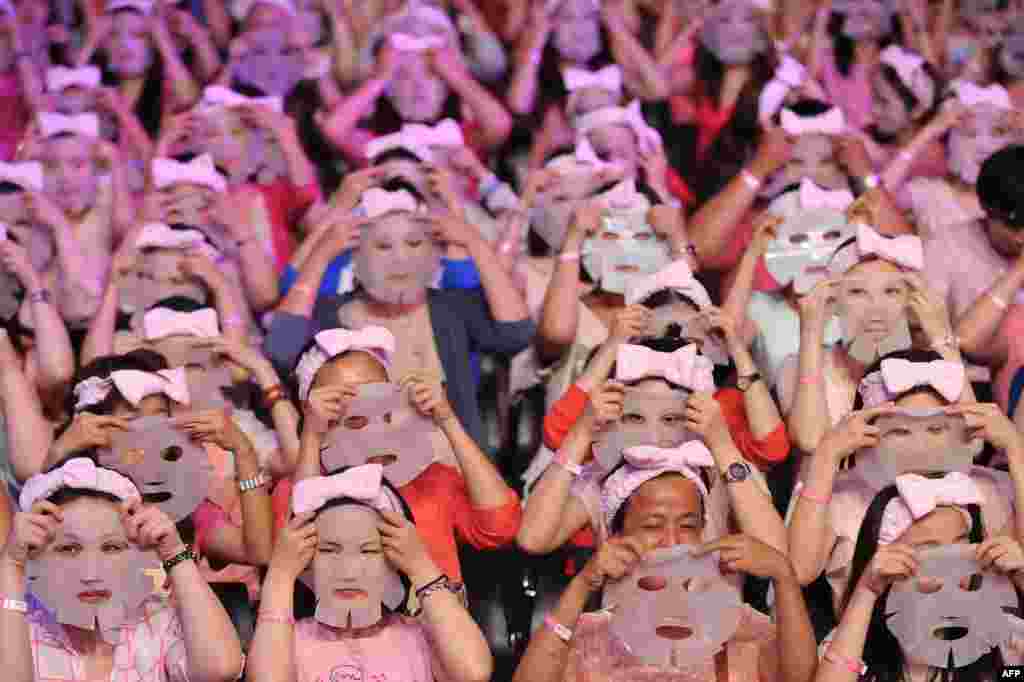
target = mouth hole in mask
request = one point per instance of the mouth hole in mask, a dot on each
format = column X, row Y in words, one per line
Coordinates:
column 627, row 268
column 643, row 236
column 156, row 498
column 832, row 235
column 355, row 423
column 1014, row 611
column 950, row 633
column 798, row 238
column 673, row 632
column 172, row 453
column 386, row 459
column 652, row 583
column 609, row 236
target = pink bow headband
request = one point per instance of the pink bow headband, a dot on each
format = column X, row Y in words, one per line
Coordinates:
column 609, row 78
column 683, row 368
column 906, row 251
column 648, row 138
column 133, row 385
column 920, row 496
column 362, row 483
column 50, row 124
column 217, row 96
column 143, row 7
column 897, row 376
column 329, row 344
column 199, row 171
column 27, row 174
column 79, row 473
column 644, row 462
column 403, row 42
column 676, row 277
column 832, row 122
column 790, row 74
column 910, row 68
column 159, row 323
column 240, row 8
column 376, row 202
column 60, row 78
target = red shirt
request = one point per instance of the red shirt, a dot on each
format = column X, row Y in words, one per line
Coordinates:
column 444, row 514
column 286, row 204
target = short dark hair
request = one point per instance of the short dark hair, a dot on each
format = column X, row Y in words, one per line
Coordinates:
column 1000, row 186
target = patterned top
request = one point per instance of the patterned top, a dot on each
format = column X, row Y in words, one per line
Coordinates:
column 152, row 650
column 596, row 656
column 321, row 655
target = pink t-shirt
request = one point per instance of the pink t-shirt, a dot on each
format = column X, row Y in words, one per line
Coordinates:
column 153, row 650
column 400, row 652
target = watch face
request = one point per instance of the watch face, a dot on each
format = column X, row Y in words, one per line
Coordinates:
column 737, row 472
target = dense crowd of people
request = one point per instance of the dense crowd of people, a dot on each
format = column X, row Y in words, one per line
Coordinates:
column 283, row 281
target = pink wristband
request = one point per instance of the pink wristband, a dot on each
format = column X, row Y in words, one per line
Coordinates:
column 234, row 322
column 750, row 180
column 810, row 379
column 854, row 665
column 506, row 247
column 823, row 500
column 905, row 155
column 999, row 301
column 569, row 256
column 268, row 617
column 563, row 633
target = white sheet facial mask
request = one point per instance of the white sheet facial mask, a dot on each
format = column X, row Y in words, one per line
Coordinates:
column 626, row 247
column 157, row 276
column 872, row 313
column 918, row 442
column 416, row 92
column 188, row 204
column 397, row 258
column 647, row 419
column 554, row 210
column 577, row 31
column 983, row 132
column 71, row 180
column 270, row 63
column 813, row 157
column 351, row 577
column 805, row 242
column 381, row 427
column 128, row 45
column 90, row 574
column 675, row 610
column 75, row 100
column 733, row 33
column 171, row 471
column 957, row 623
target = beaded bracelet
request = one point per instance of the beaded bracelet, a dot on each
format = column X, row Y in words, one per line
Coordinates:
column 563, row 633
column 439, row 583
column 182, row 556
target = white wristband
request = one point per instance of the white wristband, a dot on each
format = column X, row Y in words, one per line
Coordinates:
column 16, row 605
column 750, row 180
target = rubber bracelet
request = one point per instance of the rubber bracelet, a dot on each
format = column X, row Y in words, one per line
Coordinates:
column 810, row 379
column 750, row 180
column 506, row 248
column 569, row 257
column 563, row 633
column 905, row 155
column 234, row 322
column 854, row 665
column 16, row 605
column 257, row 481
column 270, row 617
column 823, row 500
column 561, row 460
column 999, row 301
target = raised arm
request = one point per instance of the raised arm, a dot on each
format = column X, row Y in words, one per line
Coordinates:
column 29, row 434
column 522, row 91
column 489, row 114
column 340, row 124
column 185, row 28
column 184, row 89
column 559, row 315
column 642, row 73
column 751, row 505
column 802, row 384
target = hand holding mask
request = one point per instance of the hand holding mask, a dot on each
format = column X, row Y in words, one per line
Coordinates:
column 674, row 610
